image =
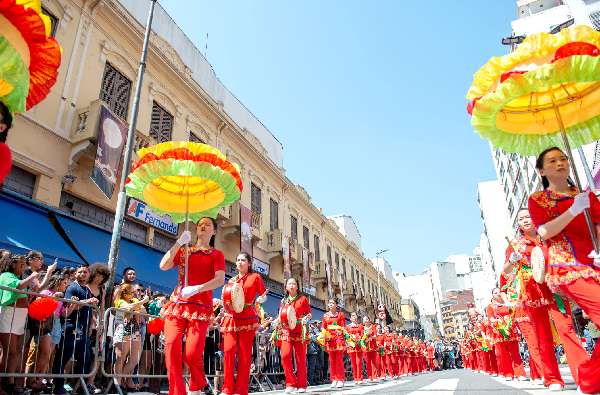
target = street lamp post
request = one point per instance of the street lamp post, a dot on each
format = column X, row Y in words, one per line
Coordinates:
column 377, row 255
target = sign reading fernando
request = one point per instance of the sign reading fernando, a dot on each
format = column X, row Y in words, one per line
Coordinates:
column 139, row 210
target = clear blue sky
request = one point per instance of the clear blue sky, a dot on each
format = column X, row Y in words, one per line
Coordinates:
column 367, row 98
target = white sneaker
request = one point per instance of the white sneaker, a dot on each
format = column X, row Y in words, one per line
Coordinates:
column 340, row 384
column 301, row 390
column 523, row 378
column 359, row 382
column 555, row 387
column 333, row 384
column 290, row 390
column 495, row 375
column 538, row 382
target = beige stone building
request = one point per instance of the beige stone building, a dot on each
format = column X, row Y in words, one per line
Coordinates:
column 54, row 148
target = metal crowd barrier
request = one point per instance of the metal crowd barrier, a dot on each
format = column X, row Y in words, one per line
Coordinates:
column 41, row 352
column 122, row 351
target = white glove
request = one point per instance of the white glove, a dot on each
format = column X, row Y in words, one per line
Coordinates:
column 580, row 203
column 190, row 290
column 261, row 299
column 304, row 320
column 596, row 257
column 185, row 238
column 515, row 257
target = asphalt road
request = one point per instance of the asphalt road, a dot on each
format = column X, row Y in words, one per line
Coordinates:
column 447, row 382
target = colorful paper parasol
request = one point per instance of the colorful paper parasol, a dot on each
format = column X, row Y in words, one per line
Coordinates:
column 543, row 94
column 184, row 180
column 29, row 57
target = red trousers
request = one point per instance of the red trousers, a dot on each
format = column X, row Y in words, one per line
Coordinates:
column 585, row 293
column 576, row 354
column 237, row 344
column 371, row 362
column 535, row 362
column 336, row 366
column 512, row 358
column 389, row 367
column 287, row 349
column 356, row 362
column 395, row 364
column 501, row 361
column 541, row 324
column 381, row 366
column 195, row 333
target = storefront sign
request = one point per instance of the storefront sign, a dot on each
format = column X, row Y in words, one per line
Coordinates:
column 260, row 267
column 310, row 290
column 139, row 210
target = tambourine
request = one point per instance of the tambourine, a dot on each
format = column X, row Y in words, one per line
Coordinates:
column 538, row 265
column 288, row 316
column 233, row 297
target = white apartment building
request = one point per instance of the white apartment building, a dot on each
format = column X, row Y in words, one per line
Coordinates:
column 384, row 267
column 496, row 225
column 348, row 228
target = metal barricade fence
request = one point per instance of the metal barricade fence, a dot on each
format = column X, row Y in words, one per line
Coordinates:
column 132, row 357
column 33, row 352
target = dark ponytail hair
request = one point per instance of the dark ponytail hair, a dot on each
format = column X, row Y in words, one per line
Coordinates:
column 539, row 165
column 215, row 225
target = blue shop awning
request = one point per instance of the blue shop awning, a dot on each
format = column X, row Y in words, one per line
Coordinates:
column 94, row 244
column 25, row 226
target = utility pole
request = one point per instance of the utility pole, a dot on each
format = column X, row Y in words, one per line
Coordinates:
column 377, row 255
column 120, row 211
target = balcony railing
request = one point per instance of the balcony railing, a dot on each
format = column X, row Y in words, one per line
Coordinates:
column 256, row 220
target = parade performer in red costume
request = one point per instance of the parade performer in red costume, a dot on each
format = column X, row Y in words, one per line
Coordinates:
column 572, row 265
column 294, row 341
column 240, row 328
column 403, row 356
column 537, row 303
column 380, row 352
column 371, row 349
column 507, row 339
column 189, row 310
column 430, row 352
column 334, row 322
column 355, row 347
column 388, row 341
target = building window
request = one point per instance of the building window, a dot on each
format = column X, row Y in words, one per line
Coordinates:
column 195, row 139
column 274, row 220
column 317, row 248
column 115, row 91
column 337, row 262
column 329, row 255
column 53, row 21
column 255, row 198
column 294, row 228
column 161, row 124
column 20, row 181
column 305, row 237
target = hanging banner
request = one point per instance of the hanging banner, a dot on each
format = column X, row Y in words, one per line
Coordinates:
column 245, row 229
column 285, row 251
column 112, row 133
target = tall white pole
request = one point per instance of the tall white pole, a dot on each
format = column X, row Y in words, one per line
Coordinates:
column 120, row 212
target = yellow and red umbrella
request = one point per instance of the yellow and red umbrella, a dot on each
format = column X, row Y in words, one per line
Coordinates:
column 546, row 93
column 29, row 56
column 184, row 180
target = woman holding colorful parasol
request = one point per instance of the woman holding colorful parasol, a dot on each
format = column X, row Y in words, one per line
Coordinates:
column 545, row 94
column 188, row 181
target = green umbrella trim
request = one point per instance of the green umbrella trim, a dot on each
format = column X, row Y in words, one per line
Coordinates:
column 145, row 174
column 577, row 68
column 13, row 71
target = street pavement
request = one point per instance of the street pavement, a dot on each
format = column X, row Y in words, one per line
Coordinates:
column 448, row 382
